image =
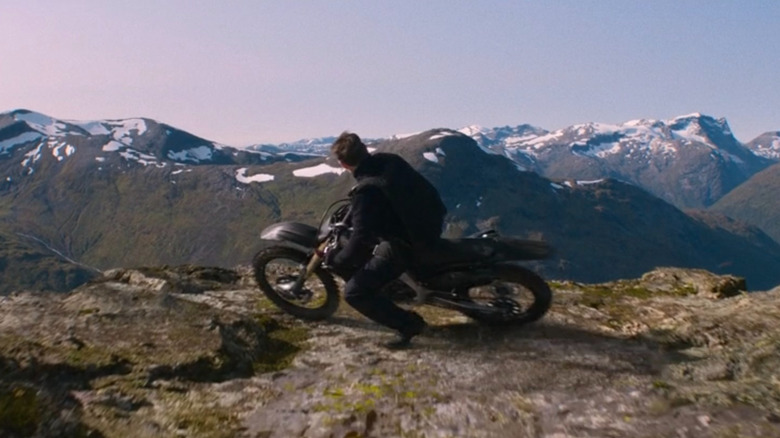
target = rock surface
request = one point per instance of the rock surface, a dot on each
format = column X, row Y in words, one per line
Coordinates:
column 193, row 351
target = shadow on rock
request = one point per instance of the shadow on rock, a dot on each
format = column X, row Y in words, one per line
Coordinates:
column 547, row 341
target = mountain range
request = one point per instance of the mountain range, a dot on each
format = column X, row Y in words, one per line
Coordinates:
column 690, row 161
column 135, row 192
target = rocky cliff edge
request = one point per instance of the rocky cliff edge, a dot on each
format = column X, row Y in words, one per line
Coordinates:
column 192, row 351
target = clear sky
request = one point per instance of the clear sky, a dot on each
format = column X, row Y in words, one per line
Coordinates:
column 241, row 72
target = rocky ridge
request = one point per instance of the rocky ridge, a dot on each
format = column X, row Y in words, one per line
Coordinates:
column 193, row 351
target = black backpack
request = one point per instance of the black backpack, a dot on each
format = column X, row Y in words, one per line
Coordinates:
column 413, row 198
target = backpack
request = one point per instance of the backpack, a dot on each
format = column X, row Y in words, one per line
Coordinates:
column 413, row 198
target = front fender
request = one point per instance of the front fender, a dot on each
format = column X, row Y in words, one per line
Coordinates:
column 294, row 233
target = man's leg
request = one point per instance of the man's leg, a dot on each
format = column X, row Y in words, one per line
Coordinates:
column 363, row 292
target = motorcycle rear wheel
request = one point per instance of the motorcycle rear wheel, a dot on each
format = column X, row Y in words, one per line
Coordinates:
column 516, row 296
column 277, row 268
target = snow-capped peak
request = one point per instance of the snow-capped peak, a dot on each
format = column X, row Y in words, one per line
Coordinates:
column 638, row 139
column 766, row 145
column 105, row 137
column 52, row 127
column 702, row 123
column 472, row 130
column 690, row 116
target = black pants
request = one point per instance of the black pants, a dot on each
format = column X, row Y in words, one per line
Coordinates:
column 363, row 289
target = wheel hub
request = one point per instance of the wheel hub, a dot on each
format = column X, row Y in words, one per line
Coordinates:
column 507, row 307
column 285, row 286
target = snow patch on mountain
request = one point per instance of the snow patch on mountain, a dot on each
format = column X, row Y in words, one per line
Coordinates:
column 443, row 134
column 259, row 178
column 113, row 146
column 123, row 128
column 31, row 157
column 122, row 132
column 513, row 141
column 41, row 123
column 590, row 182
column 131, row 154
column 691, row 132
column 574, row 183
column 60, row 150
column 434, row 156
column 542, row 140
column 431, row 156
column 94, row 127
column 195, row 155
column 606, row 149
column 26, row 137
column 320, row 169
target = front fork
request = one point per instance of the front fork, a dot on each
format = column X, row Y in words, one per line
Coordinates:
column 308, row 269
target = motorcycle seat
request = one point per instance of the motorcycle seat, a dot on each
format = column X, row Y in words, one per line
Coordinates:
column 448, row 252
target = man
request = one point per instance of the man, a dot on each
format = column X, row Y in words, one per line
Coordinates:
column 394, row 210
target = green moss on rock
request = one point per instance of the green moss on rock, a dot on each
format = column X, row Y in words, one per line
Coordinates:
column 20, row 411
column 281, row 346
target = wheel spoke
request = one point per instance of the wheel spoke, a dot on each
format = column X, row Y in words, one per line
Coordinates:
column 501, row 301
column 282, row 275
column 277, row 270
column 516, row 296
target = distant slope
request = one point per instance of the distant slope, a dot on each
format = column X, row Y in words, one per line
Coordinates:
column 150, row 215
column 756, row 202
column 27, row 265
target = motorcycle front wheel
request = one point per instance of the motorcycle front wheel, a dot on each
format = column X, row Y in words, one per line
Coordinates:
column 516, row 296
column 276, row 270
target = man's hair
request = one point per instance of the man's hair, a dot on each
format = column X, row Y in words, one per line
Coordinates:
column 349, row 149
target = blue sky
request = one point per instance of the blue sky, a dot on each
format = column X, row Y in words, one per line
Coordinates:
column 248, row 71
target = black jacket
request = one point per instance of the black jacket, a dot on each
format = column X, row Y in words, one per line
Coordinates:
column 389, row 202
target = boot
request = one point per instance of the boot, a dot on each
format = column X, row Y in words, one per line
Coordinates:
column 405, row 335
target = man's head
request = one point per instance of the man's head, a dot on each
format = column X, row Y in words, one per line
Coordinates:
column 349, row 150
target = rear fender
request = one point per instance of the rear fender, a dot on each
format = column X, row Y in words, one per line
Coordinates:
column 458, row 278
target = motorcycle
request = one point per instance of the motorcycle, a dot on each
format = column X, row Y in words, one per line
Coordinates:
column 478, row 276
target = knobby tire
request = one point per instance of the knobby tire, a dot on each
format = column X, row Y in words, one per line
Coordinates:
column 542, row 296
column 267, row 255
